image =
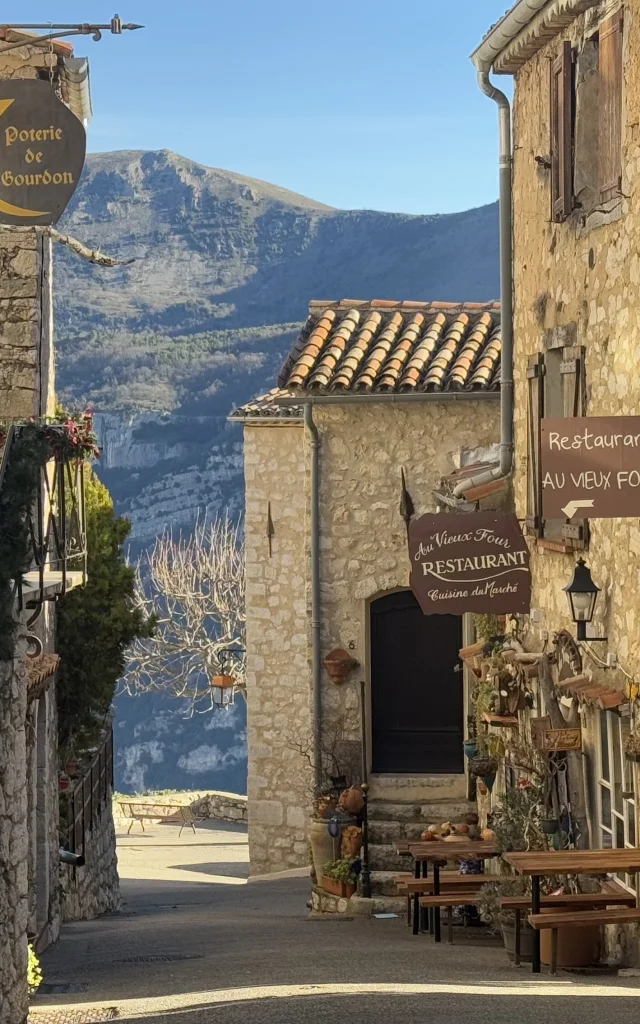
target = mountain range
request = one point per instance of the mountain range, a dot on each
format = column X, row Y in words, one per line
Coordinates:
column 163, row 348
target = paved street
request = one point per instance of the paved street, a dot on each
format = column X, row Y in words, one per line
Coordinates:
column 195, row 944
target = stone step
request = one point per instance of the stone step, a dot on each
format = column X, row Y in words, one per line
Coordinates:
column 414, row 819
column 420, row 788
column 382, row 883
column 390, row 905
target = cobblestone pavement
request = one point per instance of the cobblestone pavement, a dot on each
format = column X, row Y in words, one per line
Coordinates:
column 195, row 944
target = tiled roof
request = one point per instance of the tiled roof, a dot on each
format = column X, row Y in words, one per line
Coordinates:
column 264, row 408
column 383, row 347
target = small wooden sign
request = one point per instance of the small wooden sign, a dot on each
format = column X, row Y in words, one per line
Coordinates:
column 538, row 728
column 562, row 739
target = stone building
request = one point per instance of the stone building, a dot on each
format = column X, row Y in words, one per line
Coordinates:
column 377, row 405
column 30, row 891
column 576, row 327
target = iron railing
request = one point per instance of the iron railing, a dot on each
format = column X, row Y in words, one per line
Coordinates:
column 56, row 528
column 89, row 797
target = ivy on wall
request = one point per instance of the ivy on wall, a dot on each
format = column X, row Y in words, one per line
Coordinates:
column 26, row 450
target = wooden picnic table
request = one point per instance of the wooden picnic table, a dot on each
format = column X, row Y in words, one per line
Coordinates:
column 539, row 863
column 436, row 853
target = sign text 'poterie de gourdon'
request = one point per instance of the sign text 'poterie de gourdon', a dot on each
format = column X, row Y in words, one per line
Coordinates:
column 42, row 150
column 469, row 562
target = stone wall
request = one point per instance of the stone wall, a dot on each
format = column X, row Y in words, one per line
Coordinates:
column 14, row 905
column 95, row 888
column 210, row 804
column 363, row 554
column 278, row 670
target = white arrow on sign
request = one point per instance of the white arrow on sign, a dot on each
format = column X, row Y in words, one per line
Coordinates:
column 572, row 506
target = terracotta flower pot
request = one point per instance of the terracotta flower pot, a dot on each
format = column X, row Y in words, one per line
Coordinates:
column 342, row 889
column 577, row 947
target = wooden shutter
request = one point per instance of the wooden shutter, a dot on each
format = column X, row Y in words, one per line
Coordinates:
column 610, row 141
column 576, row 533
column 562, row 135
column 535, row 370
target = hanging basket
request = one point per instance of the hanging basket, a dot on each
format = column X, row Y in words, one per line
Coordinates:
column 483, row 766
column 339, row 664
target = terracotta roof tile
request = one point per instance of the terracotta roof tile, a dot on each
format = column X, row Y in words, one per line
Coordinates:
column 380, row 346
column 265, row 408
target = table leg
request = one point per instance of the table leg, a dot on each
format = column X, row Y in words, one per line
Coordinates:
column 436, row 910
column 416, row 900
column 535, row 909
column 517, row 940
column 423, row 910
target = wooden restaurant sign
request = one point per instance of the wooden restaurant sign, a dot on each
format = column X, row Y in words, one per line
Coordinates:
column 42, row 150
column 475, row 562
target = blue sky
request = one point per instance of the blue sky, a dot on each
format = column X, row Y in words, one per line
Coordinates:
column 356, row 103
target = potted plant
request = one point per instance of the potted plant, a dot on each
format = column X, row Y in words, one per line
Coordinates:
column 338, row 878
column 632, row 746
column 483, row 766
column 470, row 747
column 503, row 921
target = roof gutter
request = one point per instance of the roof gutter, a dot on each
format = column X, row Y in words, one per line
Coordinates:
column 368, row 398
column 505, row 32
column 316, row 665
column 506, row 280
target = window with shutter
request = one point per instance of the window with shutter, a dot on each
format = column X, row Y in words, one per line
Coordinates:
column 556, row 382
column 610, row 142
column 562, row 135
column 572, row 369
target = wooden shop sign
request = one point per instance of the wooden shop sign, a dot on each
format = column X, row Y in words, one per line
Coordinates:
column 469, row 562
column 42, row 151
column 591, row 467
column 562, row 739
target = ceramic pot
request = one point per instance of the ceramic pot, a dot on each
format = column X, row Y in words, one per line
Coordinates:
column 470, row 748
column 526, row 940
column 577, row 947
column 549, row 826
column 323, row 846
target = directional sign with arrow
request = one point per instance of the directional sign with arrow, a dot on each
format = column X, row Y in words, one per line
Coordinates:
column 572, row 506
column 590, row 467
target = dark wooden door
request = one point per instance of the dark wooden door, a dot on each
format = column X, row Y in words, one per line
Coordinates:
column 416, row 692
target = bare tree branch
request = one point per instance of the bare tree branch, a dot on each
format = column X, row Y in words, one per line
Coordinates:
column 92, row 255
column 194, row 587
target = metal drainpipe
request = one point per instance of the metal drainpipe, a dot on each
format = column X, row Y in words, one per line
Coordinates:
column 316, row 675
column 506, row 293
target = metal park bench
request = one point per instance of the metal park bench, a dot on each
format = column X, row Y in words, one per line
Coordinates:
column 178, row 814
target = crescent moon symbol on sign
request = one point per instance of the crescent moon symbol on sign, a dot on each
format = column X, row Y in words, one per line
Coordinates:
column 18, row 211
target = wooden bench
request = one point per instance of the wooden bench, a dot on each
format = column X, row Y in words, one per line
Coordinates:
column 451, row 900
column 178, row 814
column 580, row 918
column 576, row 900
column 411, row 887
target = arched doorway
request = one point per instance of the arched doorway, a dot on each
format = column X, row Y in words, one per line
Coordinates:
column 416, row 688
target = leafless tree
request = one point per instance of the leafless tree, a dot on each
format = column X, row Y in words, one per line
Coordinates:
column 194, row 588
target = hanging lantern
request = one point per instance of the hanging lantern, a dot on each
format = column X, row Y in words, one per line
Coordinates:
column 223, row 690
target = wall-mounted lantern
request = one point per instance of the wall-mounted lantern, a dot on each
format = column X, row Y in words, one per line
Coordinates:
column 224, row 686
column 582, row 593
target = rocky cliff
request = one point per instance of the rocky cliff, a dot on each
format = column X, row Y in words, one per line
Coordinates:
column 163, row 348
